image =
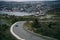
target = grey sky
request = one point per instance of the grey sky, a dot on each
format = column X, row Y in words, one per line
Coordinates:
column 27, row 0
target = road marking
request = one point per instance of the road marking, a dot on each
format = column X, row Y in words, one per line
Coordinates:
column 11, row 30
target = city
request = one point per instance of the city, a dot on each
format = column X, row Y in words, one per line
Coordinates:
column 30, row 20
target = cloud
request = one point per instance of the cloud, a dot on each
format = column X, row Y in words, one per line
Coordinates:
column 27, row 0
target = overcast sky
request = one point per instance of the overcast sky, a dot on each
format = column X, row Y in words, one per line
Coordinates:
column 27, row 0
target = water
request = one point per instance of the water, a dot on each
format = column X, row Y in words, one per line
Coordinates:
column 16, row 13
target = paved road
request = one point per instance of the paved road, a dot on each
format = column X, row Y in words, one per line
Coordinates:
column 24, row 34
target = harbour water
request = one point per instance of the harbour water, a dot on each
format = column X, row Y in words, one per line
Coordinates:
column 16, row 13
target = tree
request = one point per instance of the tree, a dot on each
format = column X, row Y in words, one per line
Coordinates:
column 51, row 24
column 36, row 24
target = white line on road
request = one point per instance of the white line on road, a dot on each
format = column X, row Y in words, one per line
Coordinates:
column 11, row 30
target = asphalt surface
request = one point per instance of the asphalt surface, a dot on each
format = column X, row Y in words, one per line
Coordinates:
column 18, row 29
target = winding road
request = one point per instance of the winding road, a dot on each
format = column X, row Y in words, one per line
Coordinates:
column 18, row 31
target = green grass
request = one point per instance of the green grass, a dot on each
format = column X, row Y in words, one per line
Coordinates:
column 5, row 29
column 45, row 30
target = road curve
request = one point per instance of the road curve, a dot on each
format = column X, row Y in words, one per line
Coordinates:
column 12, row 32
column 21, row 34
